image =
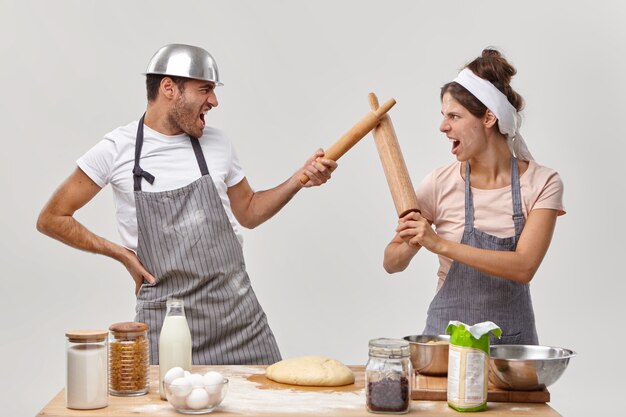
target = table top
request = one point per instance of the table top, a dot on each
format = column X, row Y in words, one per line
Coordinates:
column 251, row 394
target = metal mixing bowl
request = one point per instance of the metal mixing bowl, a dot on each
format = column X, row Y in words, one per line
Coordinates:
column 527, row 367
column 184, row 61
column 429, row 358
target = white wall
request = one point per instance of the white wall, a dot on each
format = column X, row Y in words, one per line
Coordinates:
column 296, row 76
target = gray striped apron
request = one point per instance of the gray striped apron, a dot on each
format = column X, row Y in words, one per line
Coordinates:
column 188, row 244
column 472, row 296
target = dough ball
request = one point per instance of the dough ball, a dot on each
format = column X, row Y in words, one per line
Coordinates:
column 318, row 371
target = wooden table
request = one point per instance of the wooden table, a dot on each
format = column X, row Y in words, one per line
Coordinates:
column 251, row 394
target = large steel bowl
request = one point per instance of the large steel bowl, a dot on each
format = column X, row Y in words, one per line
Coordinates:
column 527, row 367
column 184, row 61
column 429, row 353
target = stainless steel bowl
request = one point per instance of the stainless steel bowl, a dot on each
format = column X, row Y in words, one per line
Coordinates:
column 527, row 367
column 184, row 61
column 429, row 358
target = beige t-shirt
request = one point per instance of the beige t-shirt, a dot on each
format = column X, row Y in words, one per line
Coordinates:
column 441, row 197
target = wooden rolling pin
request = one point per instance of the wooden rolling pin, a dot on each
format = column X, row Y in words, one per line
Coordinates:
column 355, row 134
column 397, row 175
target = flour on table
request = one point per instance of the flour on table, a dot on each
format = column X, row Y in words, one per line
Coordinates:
column 520, row 409
column 151, row 408
column 245, row 396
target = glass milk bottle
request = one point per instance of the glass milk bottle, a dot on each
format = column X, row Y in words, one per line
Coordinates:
column 86, row 385
column 174, row 341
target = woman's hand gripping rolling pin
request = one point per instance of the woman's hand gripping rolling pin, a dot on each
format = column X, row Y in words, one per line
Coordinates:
column 416, row 231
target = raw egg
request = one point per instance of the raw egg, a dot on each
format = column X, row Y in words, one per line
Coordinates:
column 198, row 399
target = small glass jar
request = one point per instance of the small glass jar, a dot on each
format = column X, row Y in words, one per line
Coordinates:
column 129, row 359
column 86, row 371
column 388, row 376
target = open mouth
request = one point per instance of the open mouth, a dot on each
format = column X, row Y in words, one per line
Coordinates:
column 455, row 145
column 202, row 122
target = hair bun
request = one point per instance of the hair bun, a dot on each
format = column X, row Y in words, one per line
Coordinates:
column 493, row 67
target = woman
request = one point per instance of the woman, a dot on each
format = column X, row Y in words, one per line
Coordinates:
column 492, row 235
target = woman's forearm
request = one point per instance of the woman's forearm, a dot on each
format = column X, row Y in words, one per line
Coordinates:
column 398, row 256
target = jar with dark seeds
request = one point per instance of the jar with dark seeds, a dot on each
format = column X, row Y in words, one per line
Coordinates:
column 390, row 395
column 388, row 376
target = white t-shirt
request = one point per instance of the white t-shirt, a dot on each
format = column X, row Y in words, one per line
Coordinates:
column 441, row 197
column 172, row 162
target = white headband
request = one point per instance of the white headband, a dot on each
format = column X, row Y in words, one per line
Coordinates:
column 508, row 118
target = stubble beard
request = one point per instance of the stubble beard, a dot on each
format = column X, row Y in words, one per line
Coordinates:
column 180, row 117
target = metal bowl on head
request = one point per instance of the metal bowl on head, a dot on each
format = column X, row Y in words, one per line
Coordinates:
column 429, row 353
column 184, row 61
column 527, row 367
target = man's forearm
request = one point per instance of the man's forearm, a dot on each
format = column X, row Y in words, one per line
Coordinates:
column 265, row 204
column 68, row 230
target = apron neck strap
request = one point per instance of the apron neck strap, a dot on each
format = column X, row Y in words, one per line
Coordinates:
column 469, row 201
column 197, row 150
column 139, row 173
column 516, row 191
column 516, row 194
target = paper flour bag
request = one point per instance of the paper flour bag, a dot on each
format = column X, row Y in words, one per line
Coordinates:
column 468, row 364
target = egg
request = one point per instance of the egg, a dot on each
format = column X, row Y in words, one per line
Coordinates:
column 180, row 387
column 177, row 402
column 213, row 382
column 186, row 374
column 198, row 399
column 197, row 380
column 173, row 373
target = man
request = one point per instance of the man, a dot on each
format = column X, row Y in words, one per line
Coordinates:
column 180, row 195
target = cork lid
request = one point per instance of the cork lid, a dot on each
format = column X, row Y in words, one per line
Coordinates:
column 128, row 327
column 84, row 336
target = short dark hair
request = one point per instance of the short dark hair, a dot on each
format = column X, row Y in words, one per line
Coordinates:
column 153, row 82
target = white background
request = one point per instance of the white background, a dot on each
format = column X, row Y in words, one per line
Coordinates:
column 296, row 77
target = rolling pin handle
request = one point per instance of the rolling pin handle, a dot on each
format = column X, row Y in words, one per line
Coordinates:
column 382, row 110
column 398, row 179
column 356, row 133
column 304, row 179
column 373, row 101
column 405, row 212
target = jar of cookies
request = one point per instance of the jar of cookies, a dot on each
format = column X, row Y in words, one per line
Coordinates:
column 388, row 375
column 129, row 359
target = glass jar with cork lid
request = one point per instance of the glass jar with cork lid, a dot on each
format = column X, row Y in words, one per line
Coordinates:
column 129, row 359
column 388, row 376
column 86, row 371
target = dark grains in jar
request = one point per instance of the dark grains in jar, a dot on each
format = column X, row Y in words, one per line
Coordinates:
column 388, row 395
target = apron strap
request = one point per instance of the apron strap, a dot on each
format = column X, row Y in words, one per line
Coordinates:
column 469, row 201
column 516, row 194
column 197, row 149
column 139, row 173
column 516, row 191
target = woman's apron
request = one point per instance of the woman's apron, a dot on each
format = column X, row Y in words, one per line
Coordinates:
column 472, row 296
column 188, row 244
